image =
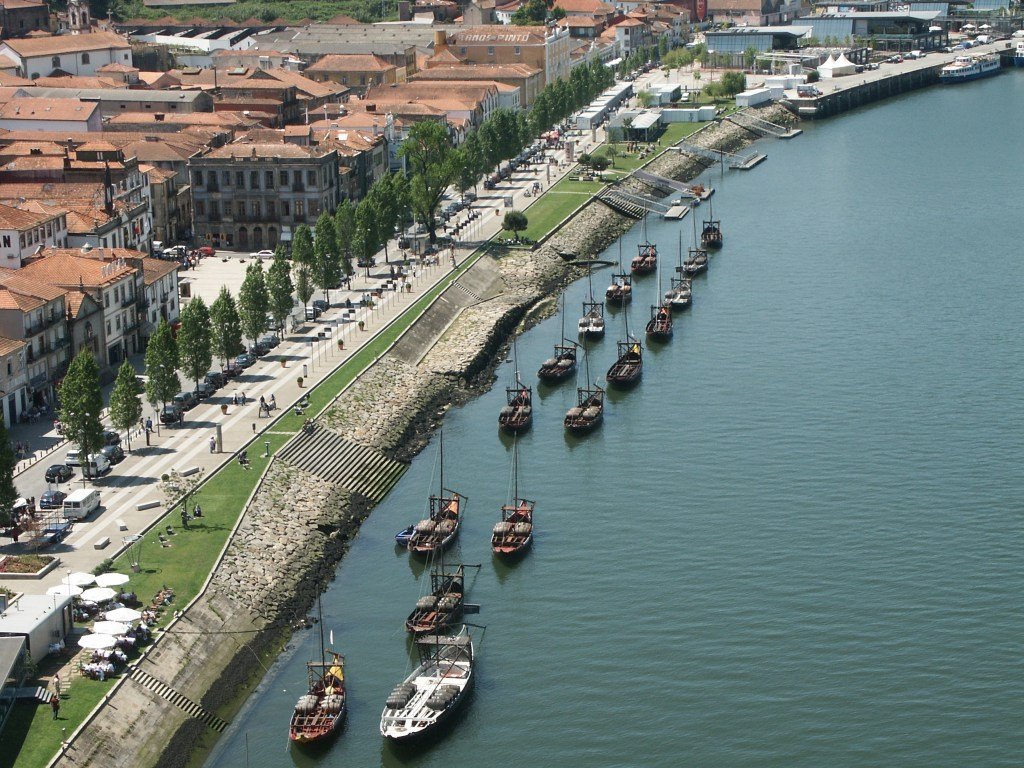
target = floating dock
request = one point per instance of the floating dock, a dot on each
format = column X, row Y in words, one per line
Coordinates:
column 677, row 211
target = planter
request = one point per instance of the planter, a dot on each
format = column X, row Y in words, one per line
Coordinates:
column 362, row 325
column 299, row 380
column 223, row 407
column 45, row 569
column 284, row 363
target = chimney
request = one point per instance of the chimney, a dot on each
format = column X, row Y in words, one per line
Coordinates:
column 440, row 40
column 376, row 128
column 403, row 11
column 371, row 107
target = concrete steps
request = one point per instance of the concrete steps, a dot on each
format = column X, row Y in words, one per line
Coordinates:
column 180, row 700
column 356, row 468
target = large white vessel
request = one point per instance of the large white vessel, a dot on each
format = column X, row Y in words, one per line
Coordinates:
column 966, row 68
column 1018, row 54
column 433, row 691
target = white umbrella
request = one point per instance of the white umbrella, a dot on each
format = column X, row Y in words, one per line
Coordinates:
column 65, row 589
column 110, row 628
column 97, row 641
column 99, row 594
column 111, row 579
column 985, row 26
column 124, row 614
column 80, row 579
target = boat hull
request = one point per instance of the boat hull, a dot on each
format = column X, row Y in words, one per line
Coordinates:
column 509, row 551
column 556, row 373
column 423, row 549
column 411, row 736
column 305, row 736
column 583, row 426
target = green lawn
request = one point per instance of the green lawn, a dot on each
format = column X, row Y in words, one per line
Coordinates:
column 676, row 131
column 545, row 214
column 31, row 736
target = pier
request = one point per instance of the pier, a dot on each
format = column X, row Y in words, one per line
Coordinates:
column 841, row 94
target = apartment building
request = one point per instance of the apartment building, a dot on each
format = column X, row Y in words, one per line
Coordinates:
column 252, row 196
column 24, row 233
column 33, row 312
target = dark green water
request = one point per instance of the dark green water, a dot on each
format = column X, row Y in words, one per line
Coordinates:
column 798, row 542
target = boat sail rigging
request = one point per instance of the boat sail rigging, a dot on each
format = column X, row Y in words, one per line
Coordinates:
column 591, row 325
column 517, row 415
column 563, row 364
column 514, row 533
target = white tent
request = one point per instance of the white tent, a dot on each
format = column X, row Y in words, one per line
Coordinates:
column 837, row 67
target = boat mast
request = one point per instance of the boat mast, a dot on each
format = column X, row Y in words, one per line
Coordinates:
column 440, row 449
column 320, row 621
column 515, row 472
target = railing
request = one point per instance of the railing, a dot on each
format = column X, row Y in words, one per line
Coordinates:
column 127, row 301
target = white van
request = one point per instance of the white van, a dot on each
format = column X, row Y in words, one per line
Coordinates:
column 96, row 466
column 81, row 503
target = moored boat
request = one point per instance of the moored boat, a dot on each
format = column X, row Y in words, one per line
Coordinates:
column 591, row 325
column 321, row 710
column 513, row 534
column 660, row 325
column 695, row 263
column 517, row 415
column 680, row 295
column 561, row 366
column 711, row 233
column 433, row 691
column 620, row 290
column 965, row 68
column 588, row 412
column 1018, row 54
column 629, row 366
column 443, row 606
column 441, row 527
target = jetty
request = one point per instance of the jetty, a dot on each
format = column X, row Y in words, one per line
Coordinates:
column 764, row 128
column 737, row 161
column 841, row 94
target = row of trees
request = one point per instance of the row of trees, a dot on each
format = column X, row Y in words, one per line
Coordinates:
column 559, row 99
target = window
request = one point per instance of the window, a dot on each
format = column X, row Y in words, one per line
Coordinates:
column 240, row 209
column 286, row 209
column 85, row 58
column 201, row 207
column 271, row 209
column 300, row 208
column 344, row 79
column 255, row 208
column 225, row 178
column 55, row 62
column 254, row 180
column 283, row 178
column 197, row 178
column 240, row 179
column 10, row 367
column 518, row 50
column 268, row 179
column 108, row 327
column 214, row 210
column 117, row 323
column 49, row 229
column 362, row 79
column 490, row 50
column 462, row 51
column 106, row 299
column 311, row 178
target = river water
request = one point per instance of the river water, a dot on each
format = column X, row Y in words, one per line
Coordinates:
column 798, row 541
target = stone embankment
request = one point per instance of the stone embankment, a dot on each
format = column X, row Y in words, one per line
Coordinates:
column 298, row 525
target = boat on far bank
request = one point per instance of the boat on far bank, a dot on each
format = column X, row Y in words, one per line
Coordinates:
column 321, row 710
column 442, row 526
column 1018, row 54
column 965, row 68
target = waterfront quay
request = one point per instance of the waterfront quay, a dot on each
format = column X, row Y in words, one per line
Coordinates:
column 845, row 93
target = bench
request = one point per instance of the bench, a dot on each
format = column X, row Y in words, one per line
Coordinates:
column 101, row 543
column 189, row 471
column 122, row 525
column 147, row 505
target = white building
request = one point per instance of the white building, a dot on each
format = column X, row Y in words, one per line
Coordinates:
column 43, row 620
column 51, row 114
column 80, row 54
column 24, row 233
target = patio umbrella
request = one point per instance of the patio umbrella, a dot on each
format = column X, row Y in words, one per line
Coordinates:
column 99, row 594
column 80, row 579
column 65, row 589
column 111, row 579
column 124, row 614
column 97, row 641
column 110, row 628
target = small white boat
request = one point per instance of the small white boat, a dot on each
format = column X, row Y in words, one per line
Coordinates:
column 434, row 690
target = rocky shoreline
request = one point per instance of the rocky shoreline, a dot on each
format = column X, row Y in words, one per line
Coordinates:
column 277, row 563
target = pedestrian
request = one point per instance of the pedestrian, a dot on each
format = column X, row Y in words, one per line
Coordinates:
column 184, row 518
column 55, row 704
column 56, row 684
column 263, row 404
column 243, row 398
column 213, row 444
column 149, row 425
column 273, row 403
column 181, row 418
column 234, row 398
column 198, row 512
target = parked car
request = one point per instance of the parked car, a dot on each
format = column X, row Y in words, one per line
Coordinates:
column 258, row 349
column 52, row 500
column 232, row 369
column 264, row 254
column 59, row 473
column 71, row 458
column 113, row 453
column 186, row 401
column 245, row 360
column 170, row 414
column 216, row 379
column 96, row 466
column 111, row 438
column 312, row 313
column 320, row 304
column 270, row 341
column 204, row 390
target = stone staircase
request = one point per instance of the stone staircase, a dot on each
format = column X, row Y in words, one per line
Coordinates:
column 356, row 468
column 180, row 700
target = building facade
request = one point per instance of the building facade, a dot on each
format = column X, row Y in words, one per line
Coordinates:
column 34, row 312
column 252, row 196
column 79, row 54
column 23, row 233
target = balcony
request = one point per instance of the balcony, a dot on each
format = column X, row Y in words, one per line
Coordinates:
column 127, row 301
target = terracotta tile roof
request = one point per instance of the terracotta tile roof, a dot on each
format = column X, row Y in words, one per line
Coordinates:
column 157, row 174
column 585, row 7
column 47, row 109
column 10, row 346
column 477, row 72
column 263, row 150
column 154, row 269
column 116, row 66
column 500, row 34
column 79, row 81
column 11, row 4
column 19, row 220
column 51, row 46
column 73, row 300
column 69, row 268
column 444, row 56
column 9, row 80
column 578, row 21
column 629, row 23
column 217, row 119
column 12, row 300
column 351, row 62
column 19, row 282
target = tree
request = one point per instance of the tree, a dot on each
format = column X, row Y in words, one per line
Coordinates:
column 646, row 98
column 304, row 287
column 732, row 83
column 195, row 341
column 598, row 162
column 125, row 405
column 81, row 402
column 302, row 245
column 279, row 288
column 179, row 488
column 750, row 56
column 611, row 152
column 344, row 227
column 385, row 205
column 253, row 302
column 161, row 362
column 364, row 243
column 429, row 155
column 662, row 47
column 515, row 222
column 531, row 12
column 8, row 463
column 226, row 326
column 326, row 259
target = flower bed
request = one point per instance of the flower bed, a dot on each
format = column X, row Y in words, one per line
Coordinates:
column 24, row 563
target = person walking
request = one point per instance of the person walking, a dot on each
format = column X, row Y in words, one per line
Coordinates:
column 184, row 518
column 55, row 705
column 213, row 444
